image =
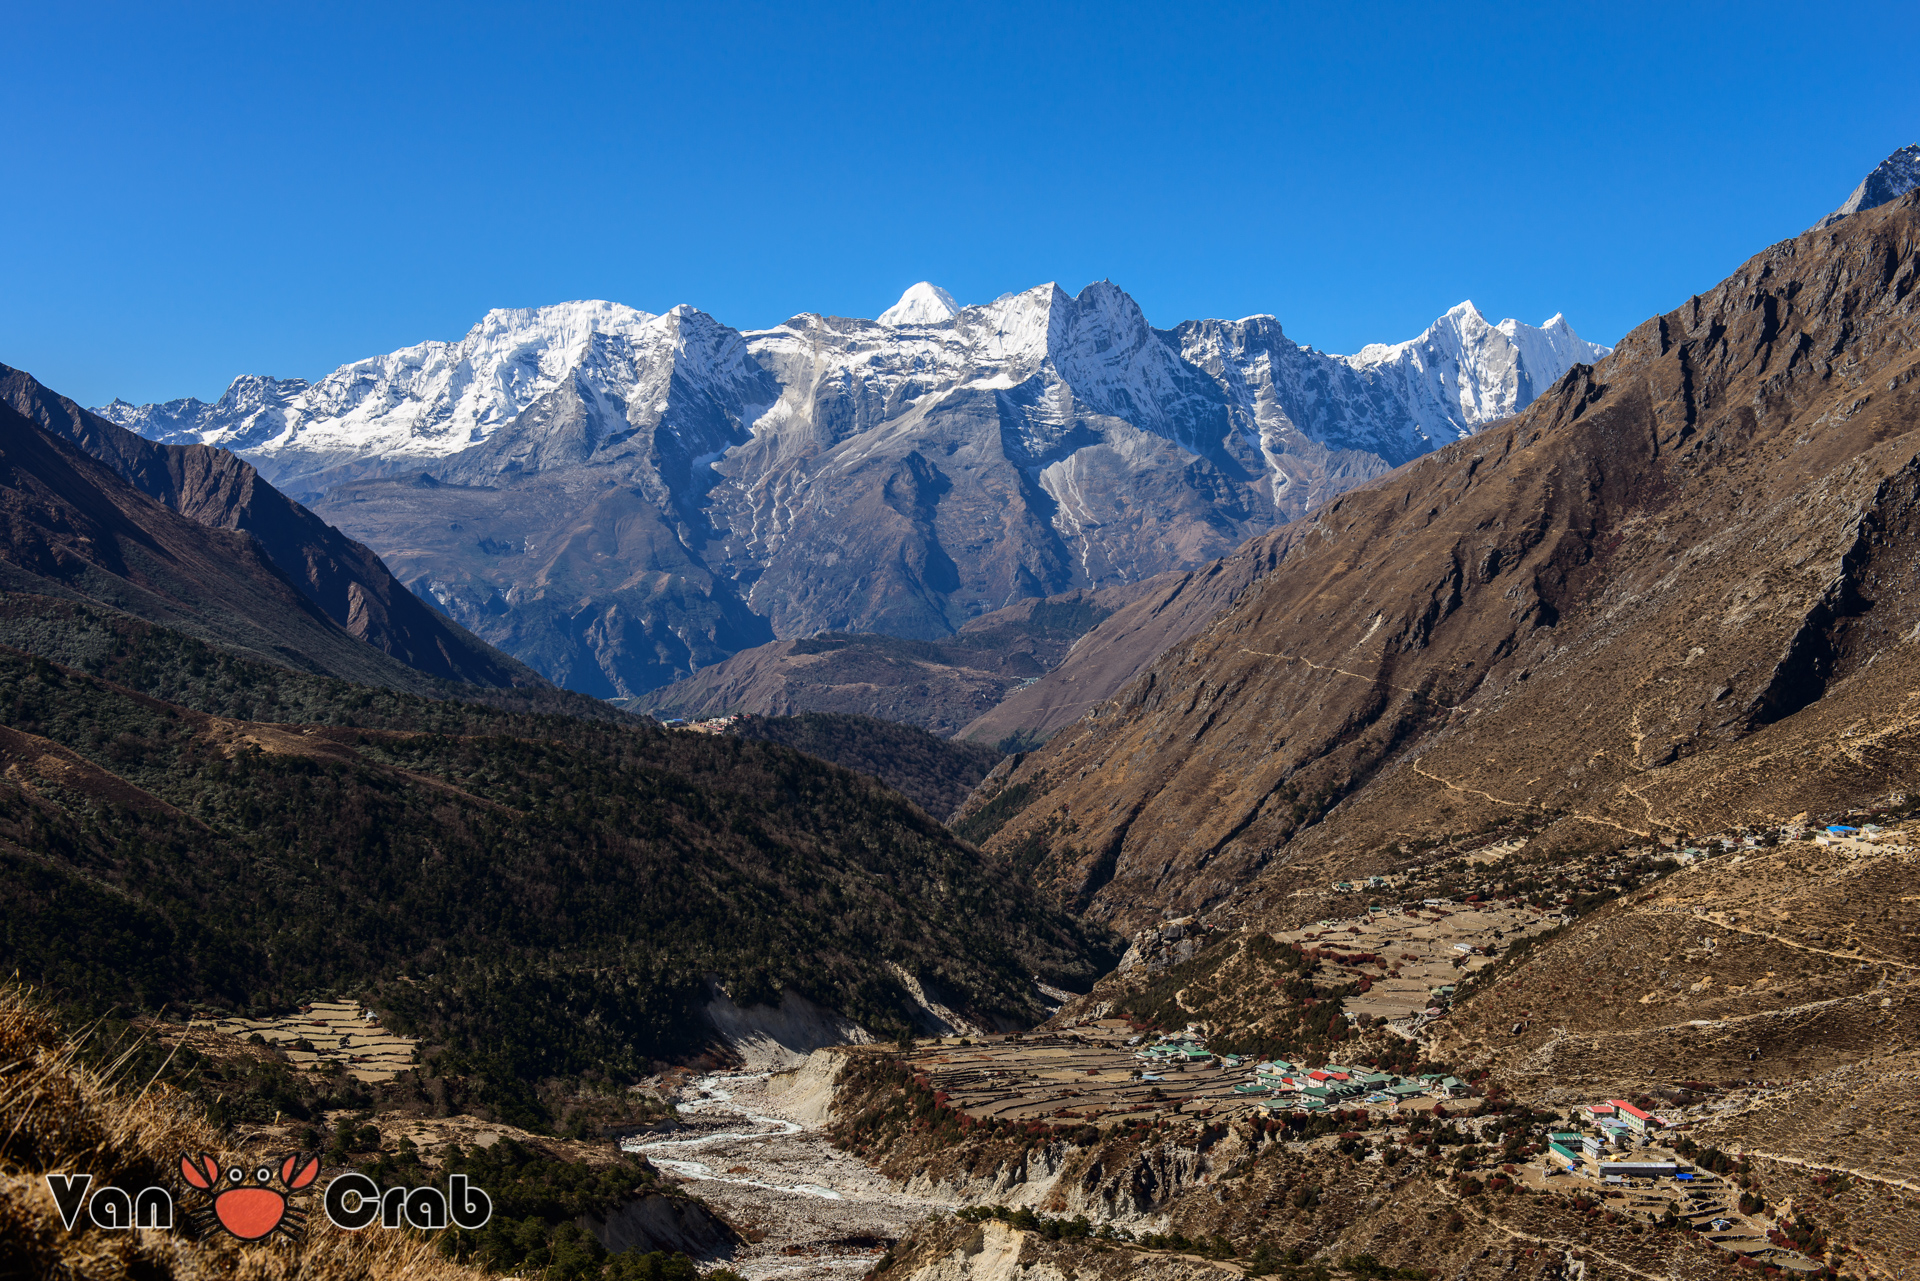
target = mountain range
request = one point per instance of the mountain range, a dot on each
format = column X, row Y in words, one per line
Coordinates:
column 621, row 499
column 1674, row 595
column 1612, row 659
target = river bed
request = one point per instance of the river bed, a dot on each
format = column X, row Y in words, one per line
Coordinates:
column 819, row 1213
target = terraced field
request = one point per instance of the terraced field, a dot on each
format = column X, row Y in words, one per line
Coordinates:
column 1089, row 1073
column 325, row 1033
column 1405, row 953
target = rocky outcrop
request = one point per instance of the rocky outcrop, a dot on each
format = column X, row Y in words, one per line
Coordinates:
column 1163, row 948
column 1602, row 615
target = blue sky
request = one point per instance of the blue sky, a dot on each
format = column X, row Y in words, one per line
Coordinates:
column 203, row 190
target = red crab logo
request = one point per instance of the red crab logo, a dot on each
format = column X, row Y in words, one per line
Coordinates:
column 248, row 1207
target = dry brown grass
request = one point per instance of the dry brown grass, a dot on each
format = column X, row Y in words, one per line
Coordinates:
column 58, row 1116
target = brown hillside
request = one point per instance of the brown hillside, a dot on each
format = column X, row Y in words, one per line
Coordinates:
column 1161, row 612
column 939, row 685
column 73, row 530
column 219, row 489
column 1675, row 593
column 63, row 1118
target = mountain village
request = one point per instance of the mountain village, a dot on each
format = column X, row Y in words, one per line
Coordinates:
column 992, row 792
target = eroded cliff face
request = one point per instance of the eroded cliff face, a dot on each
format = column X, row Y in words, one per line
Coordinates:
column 1640, row 606
column 1122, row 1182
column 1119, row 1176
column 995, row 1252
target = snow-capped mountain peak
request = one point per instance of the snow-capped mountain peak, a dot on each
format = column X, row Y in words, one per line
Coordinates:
column 922, row 304
column 250, row 413
column 1459, row 325
column 635, row 495
column 1891, row 179
column 1463, row 372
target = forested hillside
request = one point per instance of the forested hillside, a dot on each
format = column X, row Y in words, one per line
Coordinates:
column 542, row 892
column 933, row 772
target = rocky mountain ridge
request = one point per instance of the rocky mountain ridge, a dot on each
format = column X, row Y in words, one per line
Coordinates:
column 78, row 539
column 1665, row 598
column 216, row 488
column 620, row 499
column 1892, row 178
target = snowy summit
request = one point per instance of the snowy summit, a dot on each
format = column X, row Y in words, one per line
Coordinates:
column 922, row 304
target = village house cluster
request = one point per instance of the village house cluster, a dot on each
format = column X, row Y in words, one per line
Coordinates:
column 1299, row 1088
column 1614, row 1127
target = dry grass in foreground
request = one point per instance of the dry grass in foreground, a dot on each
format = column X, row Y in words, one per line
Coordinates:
column 60, row 1117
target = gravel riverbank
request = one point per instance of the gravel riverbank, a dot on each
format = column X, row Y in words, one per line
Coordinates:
column 759, row 1154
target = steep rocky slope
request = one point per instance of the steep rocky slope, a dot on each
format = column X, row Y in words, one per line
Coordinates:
column 72, row 531
column 217, row 489
column 1672, row 594
column 620, row 499
column 1164, row 611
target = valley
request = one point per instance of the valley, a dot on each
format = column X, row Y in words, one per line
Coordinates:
column 1126, row 801
column 1122, row 1144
